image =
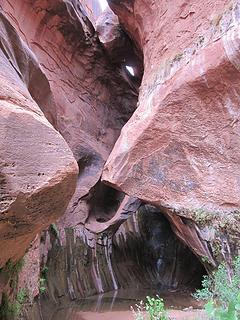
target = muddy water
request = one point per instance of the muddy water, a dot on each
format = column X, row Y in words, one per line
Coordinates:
column 116, row 306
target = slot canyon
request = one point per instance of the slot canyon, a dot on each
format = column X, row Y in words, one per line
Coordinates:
column 120, row 154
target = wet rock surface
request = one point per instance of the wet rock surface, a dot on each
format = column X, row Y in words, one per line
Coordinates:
column 143, row 253
column 151, row 249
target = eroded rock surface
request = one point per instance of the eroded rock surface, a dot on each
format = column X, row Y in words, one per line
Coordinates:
column 92, row 100
column 37, row 168
column 180, row 149
column 142, row 253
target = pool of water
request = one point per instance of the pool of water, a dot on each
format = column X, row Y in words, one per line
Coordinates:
column 116, row 306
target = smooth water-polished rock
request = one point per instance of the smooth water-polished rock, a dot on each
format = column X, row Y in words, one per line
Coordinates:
column 37, row 169
column 181, row 150
column 143, row 253
column 91, row 100
column 85, row 97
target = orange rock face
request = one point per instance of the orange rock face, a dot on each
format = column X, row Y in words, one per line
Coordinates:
column 180, row 149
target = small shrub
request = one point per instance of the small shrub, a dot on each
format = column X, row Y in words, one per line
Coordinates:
column 42, row 285
column 6, row 309
column 44, row 272
column 22, row 296
column 222, row 291
column 10, row 310
column 178, row 57
column 153, row 308
column 231, row 312
column 139, row 310
column 14, row 268
column 43, row 280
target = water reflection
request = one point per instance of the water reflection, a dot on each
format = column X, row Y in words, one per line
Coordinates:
column 116, row 305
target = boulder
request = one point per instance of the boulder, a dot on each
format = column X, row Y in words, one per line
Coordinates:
column 180, row 149
column 37, row 169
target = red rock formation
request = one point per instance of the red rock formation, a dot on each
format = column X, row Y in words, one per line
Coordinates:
column 91, row 100
column 37, row 168
column 93, row 9
column 85, row 98
column 180, row 149
column 145, row 254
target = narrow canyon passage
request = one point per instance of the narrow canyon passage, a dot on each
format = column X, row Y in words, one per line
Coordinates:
column 119, row 158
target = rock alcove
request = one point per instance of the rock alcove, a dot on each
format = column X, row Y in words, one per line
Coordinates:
column 146, row 248
column 120, row 155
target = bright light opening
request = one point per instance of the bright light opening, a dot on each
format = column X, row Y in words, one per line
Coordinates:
column 103, row 4
column 130, row 70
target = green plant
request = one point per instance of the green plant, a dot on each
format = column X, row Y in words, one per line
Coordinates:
column 10, row 310
column 43, row 280
column 42, row 285
column 154, row 309
column 14, row 268
column 44, row 272
column 178, row 57
column 222, row 290
column 201, row 39
column 22, row 296
column 231, row 312
column 205, row 259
